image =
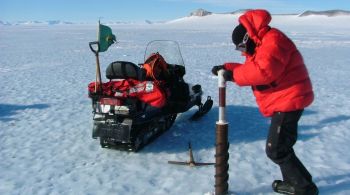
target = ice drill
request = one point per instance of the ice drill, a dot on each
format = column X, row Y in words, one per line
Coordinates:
column 222, row 145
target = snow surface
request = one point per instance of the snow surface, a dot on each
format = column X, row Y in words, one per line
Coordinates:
column 45, row 114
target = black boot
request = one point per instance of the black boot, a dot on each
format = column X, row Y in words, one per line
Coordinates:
column 284, row 187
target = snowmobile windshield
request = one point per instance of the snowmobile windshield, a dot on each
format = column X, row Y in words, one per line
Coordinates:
column 170, row 51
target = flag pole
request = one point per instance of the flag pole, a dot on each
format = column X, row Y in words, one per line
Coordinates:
column 222, row 144
column 98, row 83
column 98, row 79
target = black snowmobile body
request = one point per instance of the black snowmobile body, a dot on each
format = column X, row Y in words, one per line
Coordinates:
column 132, row 124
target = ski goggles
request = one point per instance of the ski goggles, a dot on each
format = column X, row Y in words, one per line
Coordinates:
column 243, row 45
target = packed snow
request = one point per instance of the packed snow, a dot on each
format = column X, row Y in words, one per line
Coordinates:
column 46, row 120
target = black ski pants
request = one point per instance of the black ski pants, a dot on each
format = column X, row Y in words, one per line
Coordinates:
column 279, row 148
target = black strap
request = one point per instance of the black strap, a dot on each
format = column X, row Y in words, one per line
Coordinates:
column 264, row 87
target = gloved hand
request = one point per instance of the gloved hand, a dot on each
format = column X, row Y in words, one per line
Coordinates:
column 215, row 69
column 228, row 75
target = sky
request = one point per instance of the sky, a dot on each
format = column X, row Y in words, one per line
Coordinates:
column 139, row 10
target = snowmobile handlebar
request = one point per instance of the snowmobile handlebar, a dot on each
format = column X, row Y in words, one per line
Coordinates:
column 95, row 51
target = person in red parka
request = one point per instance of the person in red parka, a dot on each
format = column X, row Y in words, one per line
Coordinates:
column 275, row 70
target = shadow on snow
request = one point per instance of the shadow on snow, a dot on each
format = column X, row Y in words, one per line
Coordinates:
column 8, row 111
column 246, row 124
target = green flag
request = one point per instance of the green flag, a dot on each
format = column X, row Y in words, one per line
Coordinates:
column 105, row 37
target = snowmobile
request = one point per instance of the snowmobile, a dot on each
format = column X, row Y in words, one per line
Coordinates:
column 132, row 109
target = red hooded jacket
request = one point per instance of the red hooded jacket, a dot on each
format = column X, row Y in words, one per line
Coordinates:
column 276, row 71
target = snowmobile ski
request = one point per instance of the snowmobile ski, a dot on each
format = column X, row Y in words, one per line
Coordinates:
column 203, row 109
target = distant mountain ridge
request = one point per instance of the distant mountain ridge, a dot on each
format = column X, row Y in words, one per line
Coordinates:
column 196, row 13
column 329, row 13
column 200, row 12
column 58, row 22
column 4, row 23
column 49, row 22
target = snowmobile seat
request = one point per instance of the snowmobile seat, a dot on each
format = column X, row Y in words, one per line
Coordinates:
column 125, row 70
